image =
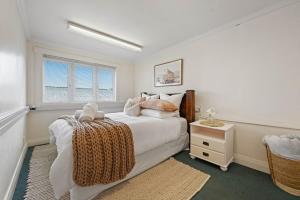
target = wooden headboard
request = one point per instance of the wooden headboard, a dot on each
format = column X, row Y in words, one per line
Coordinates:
column 187, row 106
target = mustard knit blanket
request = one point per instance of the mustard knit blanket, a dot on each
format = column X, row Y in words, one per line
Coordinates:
column 103, row 151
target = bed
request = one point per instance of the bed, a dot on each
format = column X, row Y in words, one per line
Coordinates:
column 155, row 140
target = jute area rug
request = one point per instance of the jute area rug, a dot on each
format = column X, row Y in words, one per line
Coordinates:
column 170, row 180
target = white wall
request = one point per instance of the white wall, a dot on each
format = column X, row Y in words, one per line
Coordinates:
column 249, row 73
column 12, row 88
column 38, row 121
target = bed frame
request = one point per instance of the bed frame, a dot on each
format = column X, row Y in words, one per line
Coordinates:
column 187, row 106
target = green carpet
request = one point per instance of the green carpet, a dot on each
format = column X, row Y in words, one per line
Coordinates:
column 22, row 182
column 238, row 183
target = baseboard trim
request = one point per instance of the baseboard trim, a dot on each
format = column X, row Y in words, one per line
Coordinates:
column 247, row 161
column 14, row 180
column 38, row 141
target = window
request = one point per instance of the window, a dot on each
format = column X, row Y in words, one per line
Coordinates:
column 55, row 81
column 83, row 83
column 105, row 83
column 75, row 81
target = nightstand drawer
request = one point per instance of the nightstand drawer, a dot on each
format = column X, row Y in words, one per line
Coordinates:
column 209, row 143
column 206, row 154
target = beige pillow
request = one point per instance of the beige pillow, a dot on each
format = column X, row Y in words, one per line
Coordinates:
column 158, row 104
column 175, row 99
column 148, row 97
column 158, row 113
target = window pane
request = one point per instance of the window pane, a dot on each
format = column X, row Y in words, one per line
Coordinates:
column 105, row 84
column 83, row 83
column 55, row 81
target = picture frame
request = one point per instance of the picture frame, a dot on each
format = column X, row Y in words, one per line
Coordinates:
column 168, row 73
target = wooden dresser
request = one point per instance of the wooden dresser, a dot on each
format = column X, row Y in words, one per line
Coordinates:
column 213, row 144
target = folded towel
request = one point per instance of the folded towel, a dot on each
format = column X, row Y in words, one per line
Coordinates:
column 89, row 112
column 287, row 146
column 99, row 114
column 92, row 105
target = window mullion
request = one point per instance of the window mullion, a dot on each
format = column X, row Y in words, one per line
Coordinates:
column 71, row 82
column 95, row 85
column 114, row 86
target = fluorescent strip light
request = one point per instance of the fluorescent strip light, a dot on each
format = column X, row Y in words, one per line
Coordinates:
column 103, row 36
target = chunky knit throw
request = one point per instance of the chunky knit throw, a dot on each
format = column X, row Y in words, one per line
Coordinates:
column 103, row 151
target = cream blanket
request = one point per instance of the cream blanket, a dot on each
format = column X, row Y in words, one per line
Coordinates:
column 148, row 133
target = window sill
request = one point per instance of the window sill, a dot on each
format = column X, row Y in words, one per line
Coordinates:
column 103, row 105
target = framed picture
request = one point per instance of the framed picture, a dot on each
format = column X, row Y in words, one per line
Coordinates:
column 168, row 74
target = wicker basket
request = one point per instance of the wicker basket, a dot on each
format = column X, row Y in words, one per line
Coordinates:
column 285, row 172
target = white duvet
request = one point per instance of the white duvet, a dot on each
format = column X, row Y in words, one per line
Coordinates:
column 148, row 133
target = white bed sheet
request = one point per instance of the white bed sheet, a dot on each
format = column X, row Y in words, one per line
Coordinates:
column 148, row 133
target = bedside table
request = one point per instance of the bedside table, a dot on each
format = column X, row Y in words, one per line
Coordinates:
column 213, row 144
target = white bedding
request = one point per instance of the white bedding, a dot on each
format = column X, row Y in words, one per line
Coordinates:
column 148, row 133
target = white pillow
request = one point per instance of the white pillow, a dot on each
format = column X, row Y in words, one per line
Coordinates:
column 158, row 113
column 175, row 99
column 155, row 96
column 132, row 108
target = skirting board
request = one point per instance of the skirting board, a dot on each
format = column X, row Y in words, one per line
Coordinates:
column 14, row 180
column 252, row 163
column 39, row 141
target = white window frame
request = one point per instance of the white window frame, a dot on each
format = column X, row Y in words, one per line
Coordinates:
column 71, row 80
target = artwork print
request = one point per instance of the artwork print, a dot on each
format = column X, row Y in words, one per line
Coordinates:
column 168, row 74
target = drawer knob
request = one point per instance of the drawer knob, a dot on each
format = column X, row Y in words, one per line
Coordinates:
column 205, row 154
column 205, row 143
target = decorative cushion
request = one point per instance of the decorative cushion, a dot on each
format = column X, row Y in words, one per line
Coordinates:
column 139, row 99
column 132, row 106
column 158, row 104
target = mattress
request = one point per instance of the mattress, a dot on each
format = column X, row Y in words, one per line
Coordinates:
column 148, row 133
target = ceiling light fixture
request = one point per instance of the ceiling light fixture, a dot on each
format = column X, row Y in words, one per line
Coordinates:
column 103, row 36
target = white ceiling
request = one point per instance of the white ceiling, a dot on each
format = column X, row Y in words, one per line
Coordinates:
column 155, row 24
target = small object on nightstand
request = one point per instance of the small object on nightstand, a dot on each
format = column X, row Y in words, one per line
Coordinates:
column 213, row 144
column 212, row 123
